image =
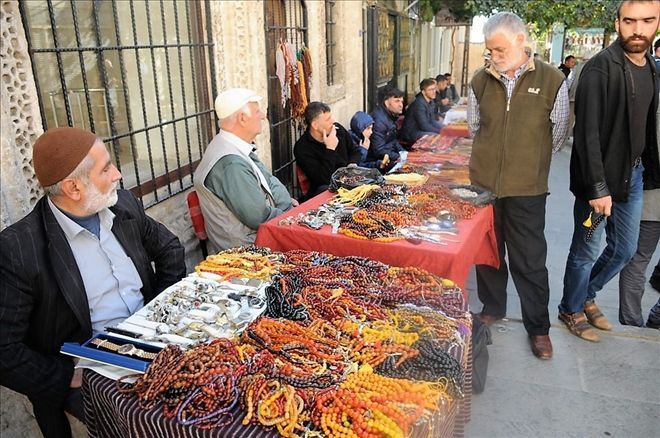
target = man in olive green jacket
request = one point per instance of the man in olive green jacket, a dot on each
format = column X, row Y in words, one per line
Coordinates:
column 518, row 113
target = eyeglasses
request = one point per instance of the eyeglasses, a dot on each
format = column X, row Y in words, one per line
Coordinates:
column 488, row 53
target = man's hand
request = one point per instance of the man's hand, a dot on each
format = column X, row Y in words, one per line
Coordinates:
column 294, row 202
column 444, row 101
column 602, row 205
column 385, row 162
column 365, row 143
column 330, row 139
column 76, row 380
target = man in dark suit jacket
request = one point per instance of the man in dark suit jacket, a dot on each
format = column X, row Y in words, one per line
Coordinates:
column 421, row 116
column 45, row 299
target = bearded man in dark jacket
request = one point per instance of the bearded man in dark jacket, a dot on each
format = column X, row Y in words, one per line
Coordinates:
column 613, row 152
column 85, row 258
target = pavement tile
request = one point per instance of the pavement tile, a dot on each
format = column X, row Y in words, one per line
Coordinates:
column 587, row 389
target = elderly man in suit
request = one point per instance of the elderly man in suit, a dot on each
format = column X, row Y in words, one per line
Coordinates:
column 86, row 257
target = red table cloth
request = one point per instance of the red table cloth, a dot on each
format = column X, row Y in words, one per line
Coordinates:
column 476, row 243
column 455, row 131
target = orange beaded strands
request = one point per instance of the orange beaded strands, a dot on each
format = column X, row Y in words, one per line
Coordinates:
column 271, row 403
column 282, row 336
column 431, row 200
column 378, row 222
column 242, row 264
column 372, row 343
column 338, row 304
column 369, row 405
column 379, row 331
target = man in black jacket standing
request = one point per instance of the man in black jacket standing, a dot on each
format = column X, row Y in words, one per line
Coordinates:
column 614, row 140
column 85, row 258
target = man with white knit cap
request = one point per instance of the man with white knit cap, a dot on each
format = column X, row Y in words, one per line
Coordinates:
column 236, row 191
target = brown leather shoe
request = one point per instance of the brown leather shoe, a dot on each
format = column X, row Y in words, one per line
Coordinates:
column 595, row 316
column 487, row 319
column 541, row 346
column 578, row 325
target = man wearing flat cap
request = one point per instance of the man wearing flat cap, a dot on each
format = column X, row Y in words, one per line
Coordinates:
column 85, row 258
column 236, row 191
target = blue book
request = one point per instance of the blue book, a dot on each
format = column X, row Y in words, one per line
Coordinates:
column 118, row 352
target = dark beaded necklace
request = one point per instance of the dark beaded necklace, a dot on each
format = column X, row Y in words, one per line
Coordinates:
column 432, row 364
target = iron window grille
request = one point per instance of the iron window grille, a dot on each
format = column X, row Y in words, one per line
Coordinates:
column 330, row 41
column 137, row 73
column 286, row 21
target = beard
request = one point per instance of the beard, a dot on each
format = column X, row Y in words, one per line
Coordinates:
column 635, row 43
column 97, row 201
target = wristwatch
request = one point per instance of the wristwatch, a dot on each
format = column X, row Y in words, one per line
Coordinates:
column 125, row 349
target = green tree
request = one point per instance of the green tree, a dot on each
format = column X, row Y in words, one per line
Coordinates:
column 542, row 14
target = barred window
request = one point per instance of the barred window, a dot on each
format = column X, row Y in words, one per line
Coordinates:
column 137, row 73
column 330, row 41
column 286, row 21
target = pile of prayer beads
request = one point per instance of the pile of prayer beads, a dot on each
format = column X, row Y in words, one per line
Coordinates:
column 295, row 369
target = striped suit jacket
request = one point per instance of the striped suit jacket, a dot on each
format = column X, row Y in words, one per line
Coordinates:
column 42, row 297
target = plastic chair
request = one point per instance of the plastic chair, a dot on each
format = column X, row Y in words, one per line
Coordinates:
column 303, row 182
column 197, row 219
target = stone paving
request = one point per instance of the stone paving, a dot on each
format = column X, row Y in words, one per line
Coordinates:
column 588, row 389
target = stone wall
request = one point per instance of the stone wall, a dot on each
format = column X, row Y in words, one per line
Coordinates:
column 20, row 119
column 345, row 96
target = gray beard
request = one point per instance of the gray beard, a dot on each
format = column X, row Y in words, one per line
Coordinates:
column 97, row 201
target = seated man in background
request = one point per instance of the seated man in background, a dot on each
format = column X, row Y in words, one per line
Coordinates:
column 362, row 125
column 442, row 101
column 236, row 191
column 86, row 257
column 421, row 116
column 384, row 138
column 452, row 94
column 323, row 148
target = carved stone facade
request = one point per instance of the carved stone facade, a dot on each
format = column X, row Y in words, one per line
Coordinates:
column 239, row 54
column 21, row 121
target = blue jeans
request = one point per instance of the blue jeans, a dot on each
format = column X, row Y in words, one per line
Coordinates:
column 587, row 272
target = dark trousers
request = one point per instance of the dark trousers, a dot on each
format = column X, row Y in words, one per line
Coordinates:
column 519, row 227
column 52, row 420
column 633, row 276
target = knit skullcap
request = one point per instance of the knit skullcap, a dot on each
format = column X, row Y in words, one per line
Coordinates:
column 58, row 151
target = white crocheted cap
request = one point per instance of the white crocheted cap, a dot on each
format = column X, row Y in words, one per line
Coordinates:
column 233, row 99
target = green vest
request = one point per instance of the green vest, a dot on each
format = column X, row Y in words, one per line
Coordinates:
column 512, row 149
